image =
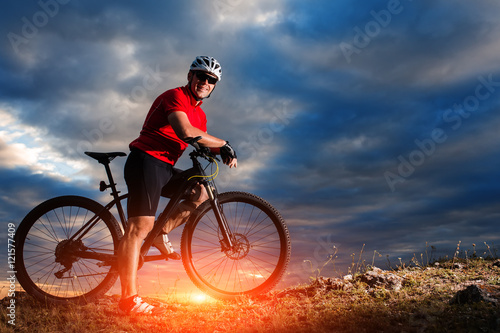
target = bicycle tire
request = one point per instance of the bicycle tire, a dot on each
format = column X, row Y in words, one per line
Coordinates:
column 41, row 234
column 263, row 253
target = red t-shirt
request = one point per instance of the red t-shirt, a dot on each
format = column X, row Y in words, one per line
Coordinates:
column 157, row 136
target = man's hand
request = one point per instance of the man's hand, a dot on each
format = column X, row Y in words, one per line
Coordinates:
column 228, row 155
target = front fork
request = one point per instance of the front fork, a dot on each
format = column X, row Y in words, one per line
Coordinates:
column 227, row 241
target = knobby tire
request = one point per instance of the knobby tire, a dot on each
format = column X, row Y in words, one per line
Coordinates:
column 258, row 262
column 46, row 227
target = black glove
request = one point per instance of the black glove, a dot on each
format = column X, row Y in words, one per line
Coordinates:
column 227, row 153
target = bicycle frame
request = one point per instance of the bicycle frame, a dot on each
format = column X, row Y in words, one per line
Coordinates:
column 189, row 179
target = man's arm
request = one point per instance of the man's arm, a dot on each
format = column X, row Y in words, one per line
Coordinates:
column 184, row 130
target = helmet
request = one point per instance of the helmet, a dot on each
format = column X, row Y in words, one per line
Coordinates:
column 207, row 64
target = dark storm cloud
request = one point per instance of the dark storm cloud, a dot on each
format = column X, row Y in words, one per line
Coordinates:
column 395, row 95
column 320, row 124
column 68, row 64
column 21, row 191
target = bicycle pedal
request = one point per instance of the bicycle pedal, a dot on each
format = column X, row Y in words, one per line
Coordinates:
column 173, row 256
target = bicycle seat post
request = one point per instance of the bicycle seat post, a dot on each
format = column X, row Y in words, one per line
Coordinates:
column 105, row 159
column 112, row 184
column 114, row 192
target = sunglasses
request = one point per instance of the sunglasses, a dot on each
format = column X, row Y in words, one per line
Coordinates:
column 202, row 77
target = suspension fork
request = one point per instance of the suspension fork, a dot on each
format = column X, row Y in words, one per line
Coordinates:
column 227, row 240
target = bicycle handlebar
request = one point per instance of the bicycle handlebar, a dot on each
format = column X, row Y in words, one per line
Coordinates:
column 194, row 142
column 200, row 151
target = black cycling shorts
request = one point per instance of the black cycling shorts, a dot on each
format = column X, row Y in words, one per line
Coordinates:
column 145, row 176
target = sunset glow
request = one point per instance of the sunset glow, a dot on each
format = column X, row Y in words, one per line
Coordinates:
column 200, row 298
column 370, row 126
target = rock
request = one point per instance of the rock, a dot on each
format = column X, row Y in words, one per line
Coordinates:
column 377, row 278
column 348, row 277
column 473, row 294
column 322, row 285
column 327, row 284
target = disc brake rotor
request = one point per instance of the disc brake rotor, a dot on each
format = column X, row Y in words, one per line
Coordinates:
column 240, row 249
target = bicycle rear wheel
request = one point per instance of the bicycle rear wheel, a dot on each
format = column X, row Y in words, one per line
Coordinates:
column 256, row 262
column 50, row 266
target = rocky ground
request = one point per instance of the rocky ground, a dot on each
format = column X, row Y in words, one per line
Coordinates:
column 452, row 296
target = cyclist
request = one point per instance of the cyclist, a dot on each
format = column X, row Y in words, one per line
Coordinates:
column 174, row 117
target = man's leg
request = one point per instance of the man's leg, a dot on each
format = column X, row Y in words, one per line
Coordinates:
column 180, row 216
column 128, row 252
column 128, row 261
column 185, row 208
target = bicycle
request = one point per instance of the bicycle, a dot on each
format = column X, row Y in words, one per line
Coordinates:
column 233, row 244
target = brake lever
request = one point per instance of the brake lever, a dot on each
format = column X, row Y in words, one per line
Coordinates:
column 207, row 154
column 212, row 155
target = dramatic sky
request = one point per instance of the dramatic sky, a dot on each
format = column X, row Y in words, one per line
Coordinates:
column 373, row 126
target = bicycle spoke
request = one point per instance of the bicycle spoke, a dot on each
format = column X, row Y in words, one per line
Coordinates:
column 252, row 260
column 42, row 247
column 48, row 256
column 49, row 236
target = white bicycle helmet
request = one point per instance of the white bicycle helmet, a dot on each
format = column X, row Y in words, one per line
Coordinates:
column 207, row 64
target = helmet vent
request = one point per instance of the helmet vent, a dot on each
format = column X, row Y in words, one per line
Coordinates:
column 207, row 64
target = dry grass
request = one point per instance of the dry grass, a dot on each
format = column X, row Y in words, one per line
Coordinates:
column 421, row 305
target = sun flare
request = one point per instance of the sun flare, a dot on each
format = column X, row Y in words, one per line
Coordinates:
column 199, row 298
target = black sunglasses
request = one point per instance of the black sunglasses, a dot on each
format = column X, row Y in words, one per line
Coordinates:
column 203, row 76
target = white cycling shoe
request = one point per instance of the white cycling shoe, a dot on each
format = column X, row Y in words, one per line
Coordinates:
column 162, row 243
column 136, row 306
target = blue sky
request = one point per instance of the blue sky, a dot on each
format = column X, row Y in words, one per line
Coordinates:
column 364, row 122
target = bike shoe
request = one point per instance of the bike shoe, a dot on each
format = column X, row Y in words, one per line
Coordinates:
column 162, row 243
column 135, row 305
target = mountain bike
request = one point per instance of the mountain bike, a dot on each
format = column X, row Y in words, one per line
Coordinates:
column 233, row 244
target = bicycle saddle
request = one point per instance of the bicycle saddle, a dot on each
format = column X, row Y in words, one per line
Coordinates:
column 104, row 158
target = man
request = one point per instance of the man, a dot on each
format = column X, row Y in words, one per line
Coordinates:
column 174, row 117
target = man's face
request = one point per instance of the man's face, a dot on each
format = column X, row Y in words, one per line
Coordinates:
column 202, row 83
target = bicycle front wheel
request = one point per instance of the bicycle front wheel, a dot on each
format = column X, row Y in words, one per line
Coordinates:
column 56, row 269
column 260, row 252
